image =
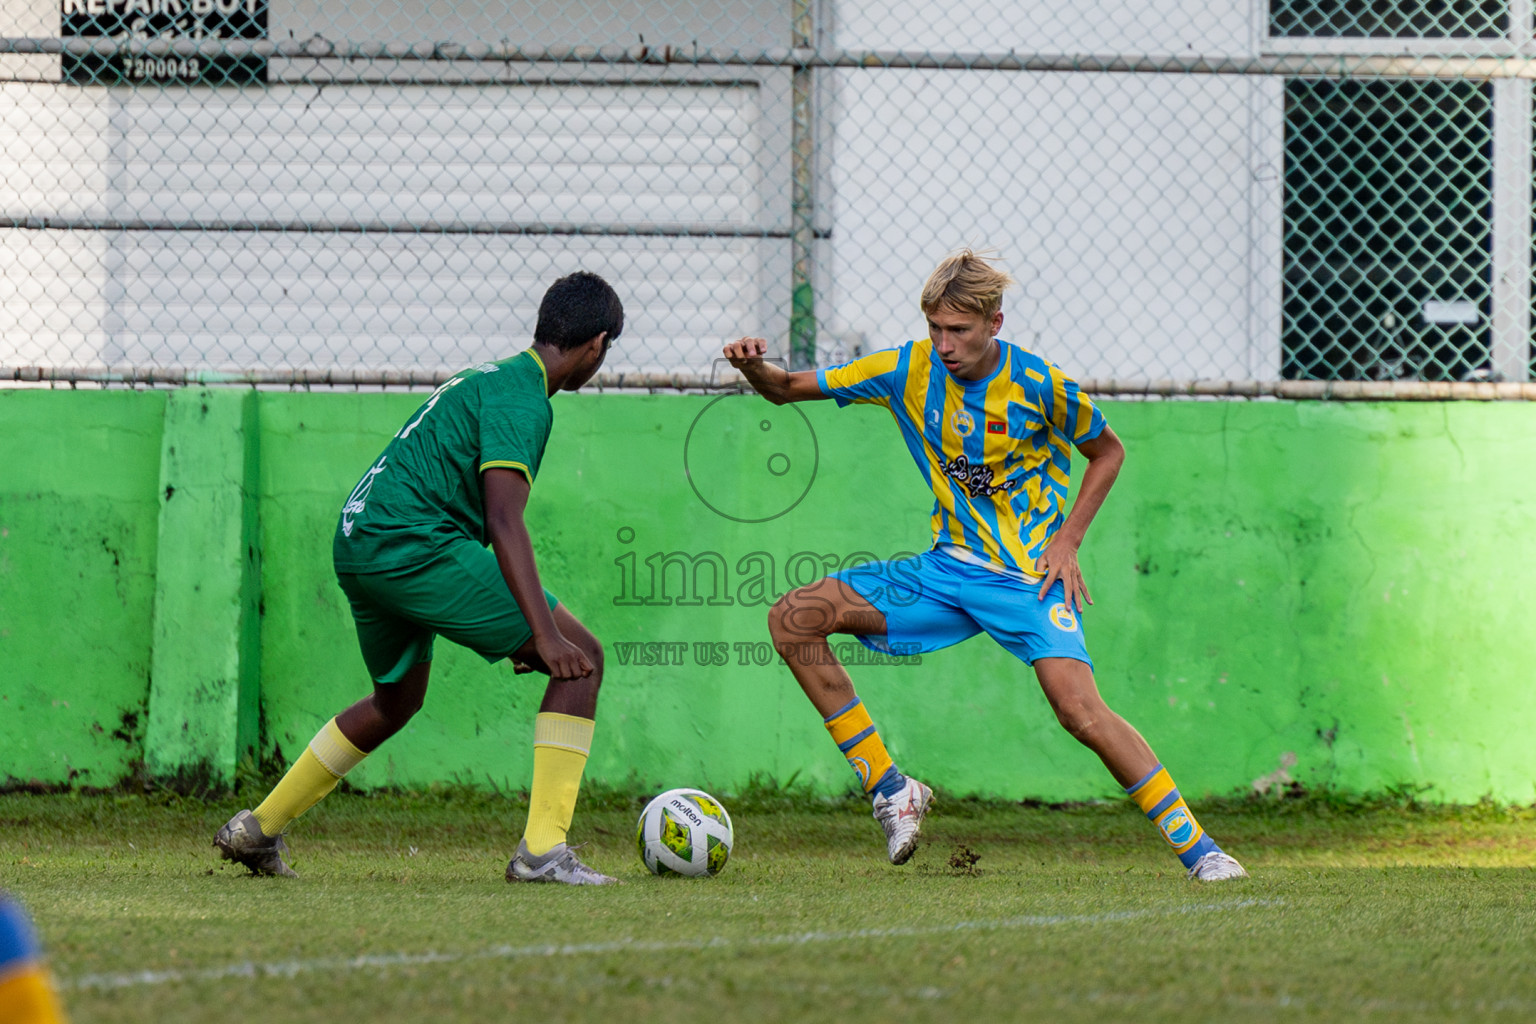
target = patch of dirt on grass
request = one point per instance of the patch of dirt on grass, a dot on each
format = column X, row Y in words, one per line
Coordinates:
column 963, row 861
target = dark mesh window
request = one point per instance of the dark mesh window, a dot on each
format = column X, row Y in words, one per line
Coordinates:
column 1388, row 203
column 1531, row 367
column 1392, row 19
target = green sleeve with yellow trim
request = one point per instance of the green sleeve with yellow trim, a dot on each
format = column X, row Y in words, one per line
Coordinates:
column 513, row 433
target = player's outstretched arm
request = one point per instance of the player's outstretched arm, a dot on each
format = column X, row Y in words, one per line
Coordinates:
column 770, row 380
column 1105, row 455
column 506, row 496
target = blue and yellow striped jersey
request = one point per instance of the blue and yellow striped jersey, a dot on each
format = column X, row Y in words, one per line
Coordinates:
column 996, row 452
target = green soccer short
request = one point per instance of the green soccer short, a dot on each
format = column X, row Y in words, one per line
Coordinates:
column 460, row 595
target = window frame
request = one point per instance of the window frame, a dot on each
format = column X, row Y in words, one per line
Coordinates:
column 1506, row 323
column 1518, row 41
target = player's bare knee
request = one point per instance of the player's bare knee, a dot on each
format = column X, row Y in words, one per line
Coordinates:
column 799, row 617
column 592, row 647
column 778, row 618
column 398, row 706
column 1079, row 719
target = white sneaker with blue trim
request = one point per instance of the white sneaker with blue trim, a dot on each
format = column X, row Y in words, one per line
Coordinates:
column 1216, row 867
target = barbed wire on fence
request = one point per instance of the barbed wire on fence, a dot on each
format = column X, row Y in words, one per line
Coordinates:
column 1321, row 206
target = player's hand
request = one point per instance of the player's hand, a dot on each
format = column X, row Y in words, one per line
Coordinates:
column 563, row 658
column 1059, row 562
column 746, row 350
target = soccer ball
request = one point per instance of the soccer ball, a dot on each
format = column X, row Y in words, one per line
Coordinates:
column 684, row 832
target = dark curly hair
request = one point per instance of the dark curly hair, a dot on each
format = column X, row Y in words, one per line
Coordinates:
column 575, row 309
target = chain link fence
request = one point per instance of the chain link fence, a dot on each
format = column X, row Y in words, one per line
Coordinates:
column 1295, row 197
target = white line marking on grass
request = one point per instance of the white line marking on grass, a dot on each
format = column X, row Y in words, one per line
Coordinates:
column 337, row 965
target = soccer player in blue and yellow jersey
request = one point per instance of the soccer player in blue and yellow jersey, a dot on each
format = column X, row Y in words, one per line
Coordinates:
column 991, row 427
column 410, row 554
column 26, row 995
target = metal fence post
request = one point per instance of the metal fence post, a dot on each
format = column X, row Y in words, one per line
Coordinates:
column 802, row 310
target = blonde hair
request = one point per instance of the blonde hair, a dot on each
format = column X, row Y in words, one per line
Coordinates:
column 968, row 283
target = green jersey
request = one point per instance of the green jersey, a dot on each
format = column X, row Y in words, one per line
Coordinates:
column 423, row 494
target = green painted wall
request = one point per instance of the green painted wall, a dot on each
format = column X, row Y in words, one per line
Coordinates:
column 78, row 539
column 204, row 707
column 1326, row 593
column 1339, row 583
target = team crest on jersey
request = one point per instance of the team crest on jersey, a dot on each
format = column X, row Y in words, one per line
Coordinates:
column 962, row 422
column 1063, row 619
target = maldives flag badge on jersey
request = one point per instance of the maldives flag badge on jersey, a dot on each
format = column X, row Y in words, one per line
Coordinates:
column 995, row 426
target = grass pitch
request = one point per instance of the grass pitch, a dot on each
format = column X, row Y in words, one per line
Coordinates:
column 1398, row 913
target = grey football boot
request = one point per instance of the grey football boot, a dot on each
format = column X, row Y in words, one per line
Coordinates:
column 902, row 818
column 558, row 865
column 242, row 840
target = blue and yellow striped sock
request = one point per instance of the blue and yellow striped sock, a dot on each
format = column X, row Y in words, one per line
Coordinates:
column 1160, row 801
column 854, row 733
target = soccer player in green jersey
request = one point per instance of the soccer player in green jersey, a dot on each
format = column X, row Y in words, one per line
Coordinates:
column 410, row 554
column 991, row 427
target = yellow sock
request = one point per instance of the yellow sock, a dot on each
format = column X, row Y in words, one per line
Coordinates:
column 26, row 997
column 560, row 747
column 329, row 756
column 854, row 733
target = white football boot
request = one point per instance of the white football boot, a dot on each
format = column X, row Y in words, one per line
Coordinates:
column 242, row 840
column 902, row 818
column 558, row 865
column 1216, row 867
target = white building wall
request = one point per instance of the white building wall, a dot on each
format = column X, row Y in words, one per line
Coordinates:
column 606, row 157
column 612, row 158
column 1120, row 202
column 55, row 162
column 721, row 25
column 666, row 160
column 1056, row 26
column 1140, row 212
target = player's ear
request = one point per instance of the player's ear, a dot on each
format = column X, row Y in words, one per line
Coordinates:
column 997, row 323
column 595, row 348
